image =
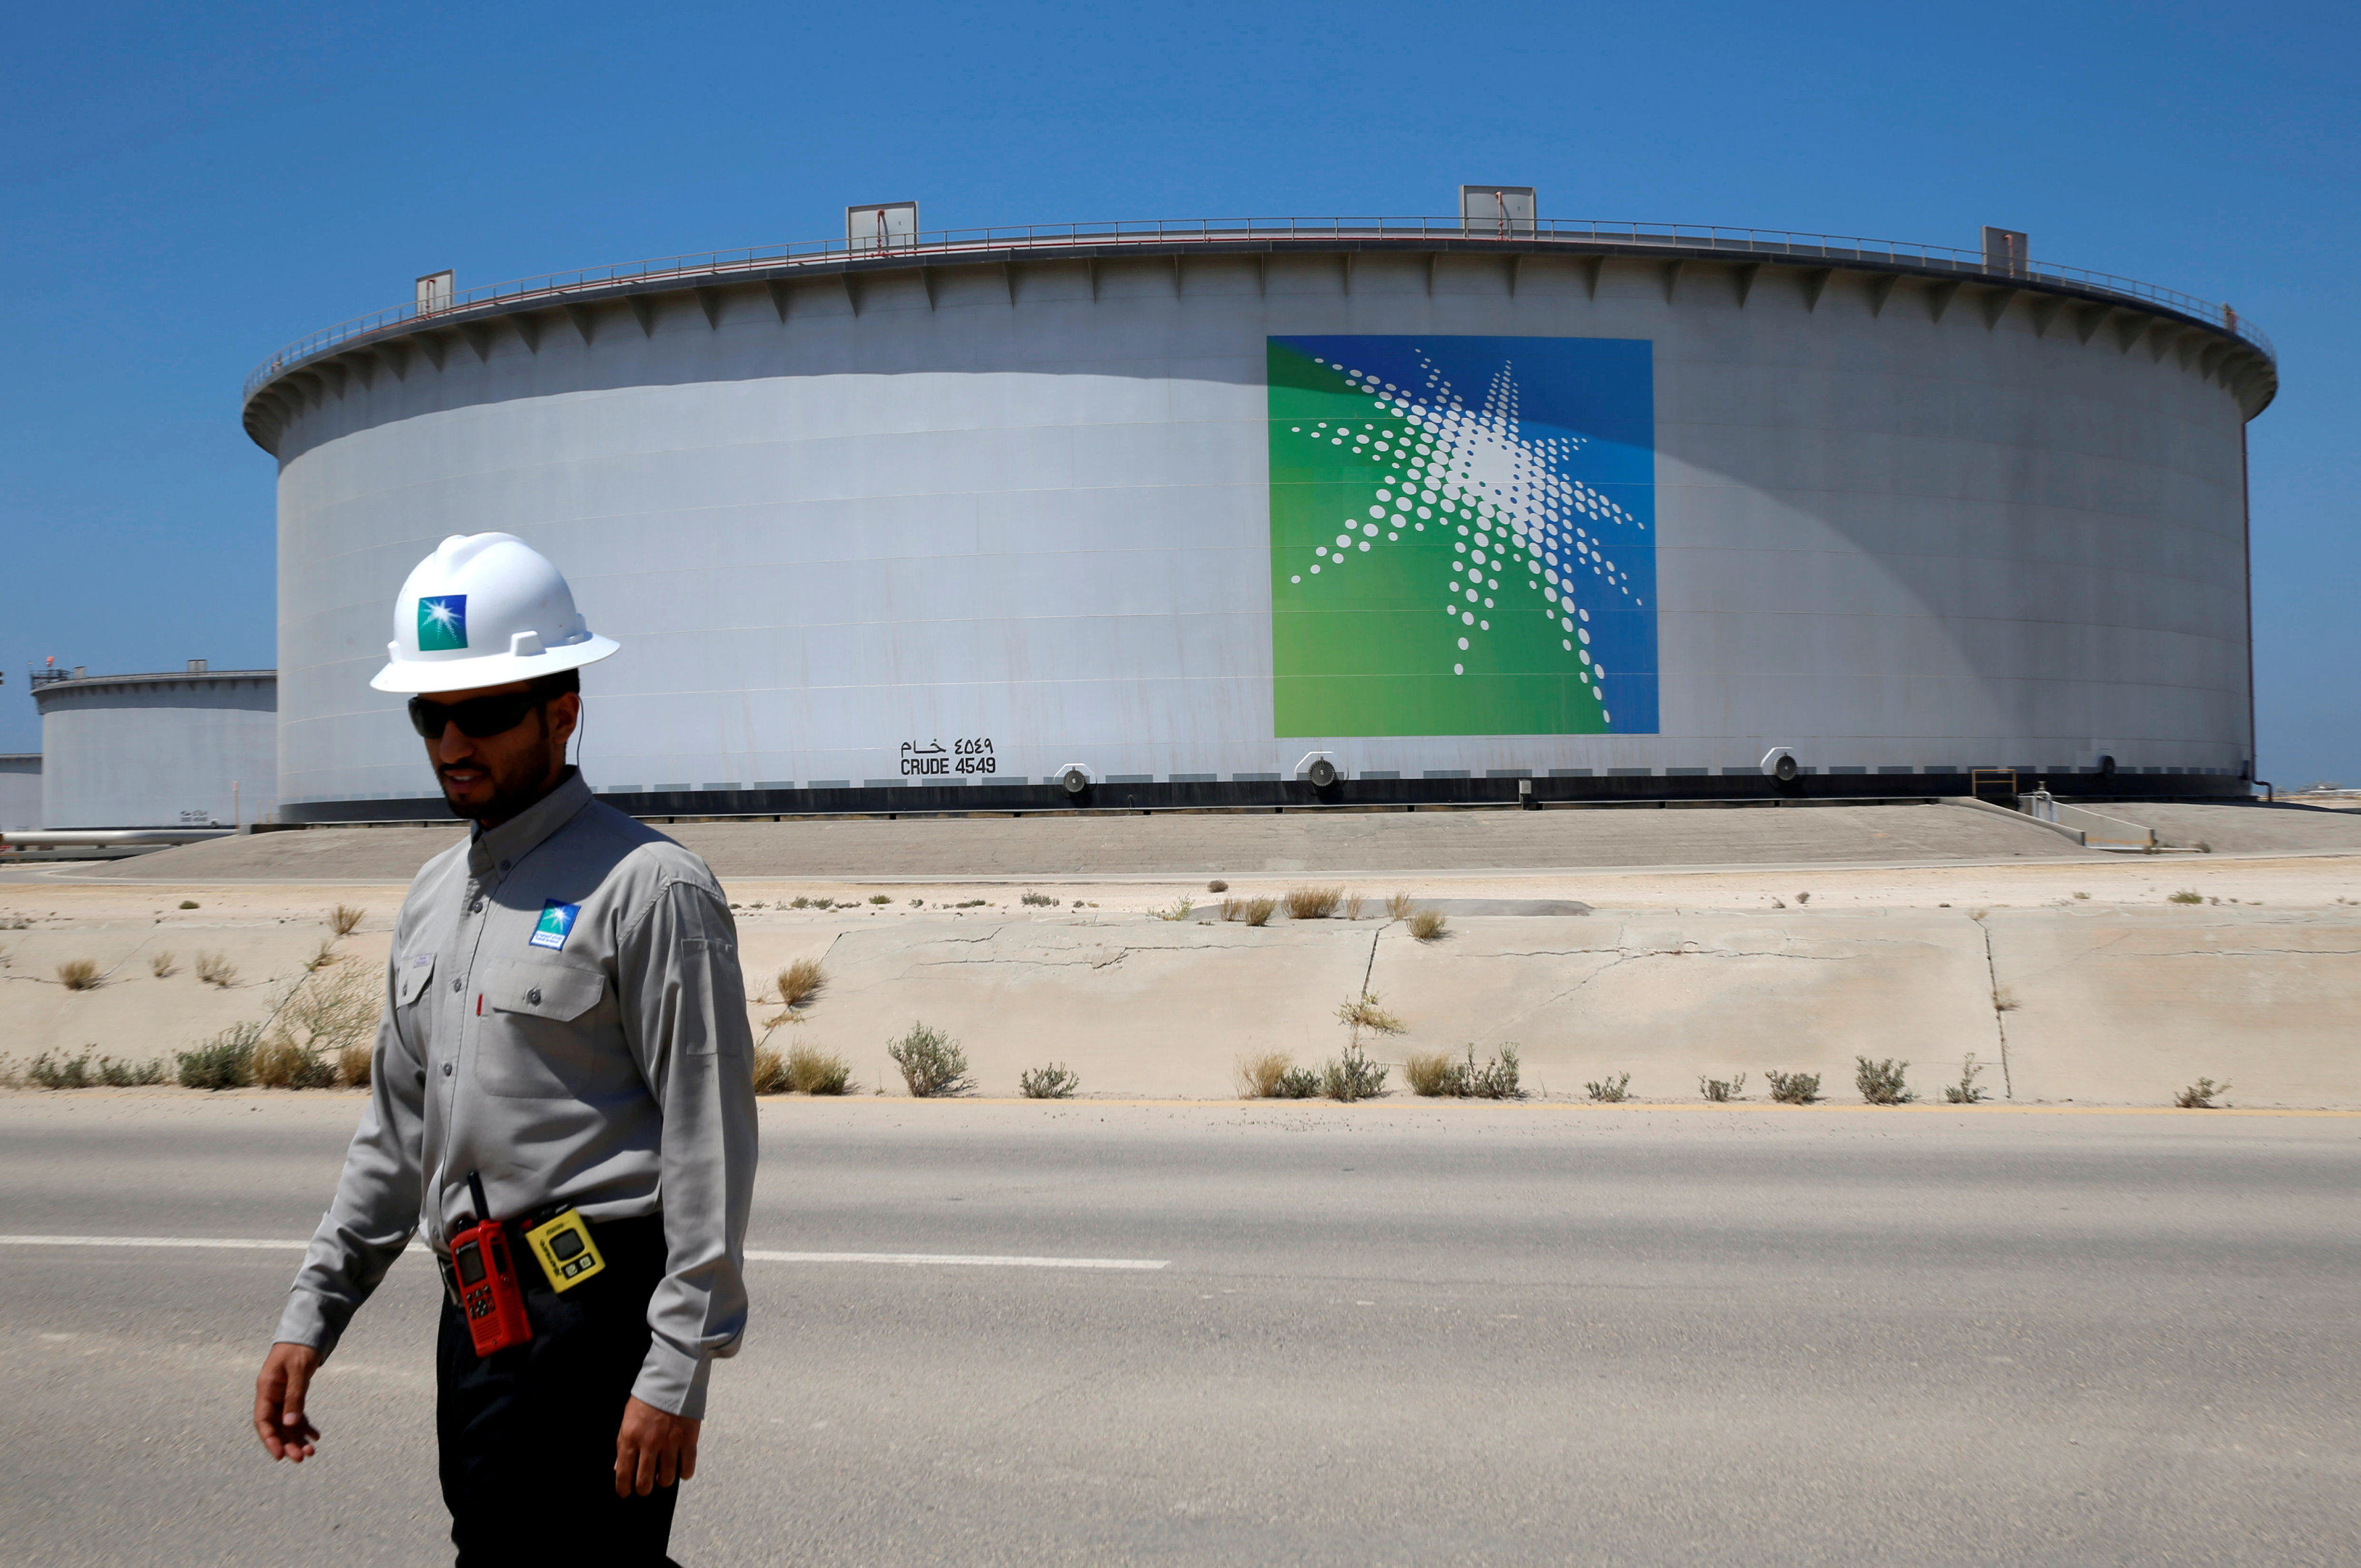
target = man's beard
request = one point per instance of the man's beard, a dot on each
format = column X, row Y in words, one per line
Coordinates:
column 513, row 788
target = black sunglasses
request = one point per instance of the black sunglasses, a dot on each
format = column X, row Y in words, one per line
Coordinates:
column 479, row 718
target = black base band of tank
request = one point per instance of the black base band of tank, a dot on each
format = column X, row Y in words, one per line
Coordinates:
column 1659, row 789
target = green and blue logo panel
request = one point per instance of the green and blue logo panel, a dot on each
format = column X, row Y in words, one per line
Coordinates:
column 1463, row 535
column 442, row 623
column 556, row 924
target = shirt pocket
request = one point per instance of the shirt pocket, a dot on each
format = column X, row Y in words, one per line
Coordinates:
column 544, row 1035
column 410, row 979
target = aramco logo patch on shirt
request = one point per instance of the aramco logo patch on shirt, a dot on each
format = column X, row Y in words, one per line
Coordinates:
column 556, row 924
column 442, row 623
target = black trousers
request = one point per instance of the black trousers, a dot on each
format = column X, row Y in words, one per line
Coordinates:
column 528, row 1434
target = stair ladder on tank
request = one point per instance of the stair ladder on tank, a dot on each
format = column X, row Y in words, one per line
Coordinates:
column 1996, row 785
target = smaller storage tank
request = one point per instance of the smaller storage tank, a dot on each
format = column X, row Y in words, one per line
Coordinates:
column 195, row 747
column 20, row 789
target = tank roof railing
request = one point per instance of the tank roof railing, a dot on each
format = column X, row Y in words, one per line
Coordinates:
column 954, row 243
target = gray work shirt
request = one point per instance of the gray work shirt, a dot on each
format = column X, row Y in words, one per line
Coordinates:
column 564, row 1015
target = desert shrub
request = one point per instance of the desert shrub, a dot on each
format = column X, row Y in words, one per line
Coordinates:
column 188, row 903
column 770, row 1071
column 1312, row 902
column 801, row 982
column 1880, row 1082
column 1056, row 1082
column 1803, row 898
column 279, row 1063
column 1720, row 1089
column 917, row 904
column 1179, row 910
column 799, row 902
column 79, row 974
column 1965, row 1091
column 1353, row 1076
column 353, row 1065
column 2186, row 895
column 344, row 919
column 1440, row 1075
column 1793, row 1087
column 1427, row 925
column 932, row 1063
column 2198, row 1096
column 880, row 898
column 161, row 964
column 1258, row 1075
column 214, row 969
column 2082, row 895
column 321, row 1017
column 1610, row 1091
column 1298, row 1083
column 1217, row 885
column 225, row 1061
column 46, row 1071
column 811, row 1070
column 1040, row 900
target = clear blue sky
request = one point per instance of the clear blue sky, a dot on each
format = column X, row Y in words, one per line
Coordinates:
column 188, row 187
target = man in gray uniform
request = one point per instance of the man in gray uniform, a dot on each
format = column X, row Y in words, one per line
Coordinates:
column 565, row 1029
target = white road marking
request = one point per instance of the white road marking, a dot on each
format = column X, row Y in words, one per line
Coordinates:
column 899, row 1259
column 964, row 1260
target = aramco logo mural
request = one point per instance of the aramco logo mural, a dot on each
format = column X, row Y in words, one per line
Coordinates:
column 1463, row 536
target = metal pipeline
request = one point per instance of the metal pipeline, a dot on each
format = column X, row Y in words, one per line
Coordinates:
column 102, row 838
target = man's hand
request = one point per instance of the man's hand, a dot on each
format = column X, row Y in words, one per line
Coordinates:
column 653, row 1449
column 278, row 1418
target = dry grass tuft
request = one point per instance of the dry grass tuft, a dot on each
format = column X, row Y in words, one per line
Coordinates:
column 79, row 974
column 161, row 965
column 1399, row 906
column 1253, row 911
column 1429, row 1073
column 1312, row 902
column 801, row 982
column 353, row 1065
column 1364, row 1013
column 326, row 955
column 214, row 969
column 344, row 920
column 811, row 1070
column 1353, row 905
column 770, row 1071
column 1427, row 925
column 1258, row 1076
column 2186, row 895
column 279, row 1063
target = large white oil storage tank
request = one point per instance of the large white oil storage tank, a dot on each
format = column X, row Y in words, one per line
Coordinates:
column 192, row 748
column 1359, row 509
column 20, row 789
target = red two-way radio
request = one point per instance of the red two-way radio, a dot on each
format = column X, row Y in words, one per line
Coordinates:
column 488, row 1292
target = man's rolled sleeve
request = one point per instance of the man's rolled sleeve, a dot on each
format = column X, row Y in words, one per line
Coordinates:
column 685, row 1014
column 378, row 1198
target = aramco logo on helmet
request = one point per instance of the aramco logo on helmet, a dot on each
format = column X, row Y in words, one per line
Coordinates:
column 442, row 623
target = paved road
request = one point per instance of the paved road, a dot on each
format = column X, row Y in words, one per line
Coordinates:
column 1383, row 1334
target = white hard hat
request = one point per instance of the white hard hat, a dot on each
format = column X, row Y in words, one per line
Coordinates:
column 483, row 610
